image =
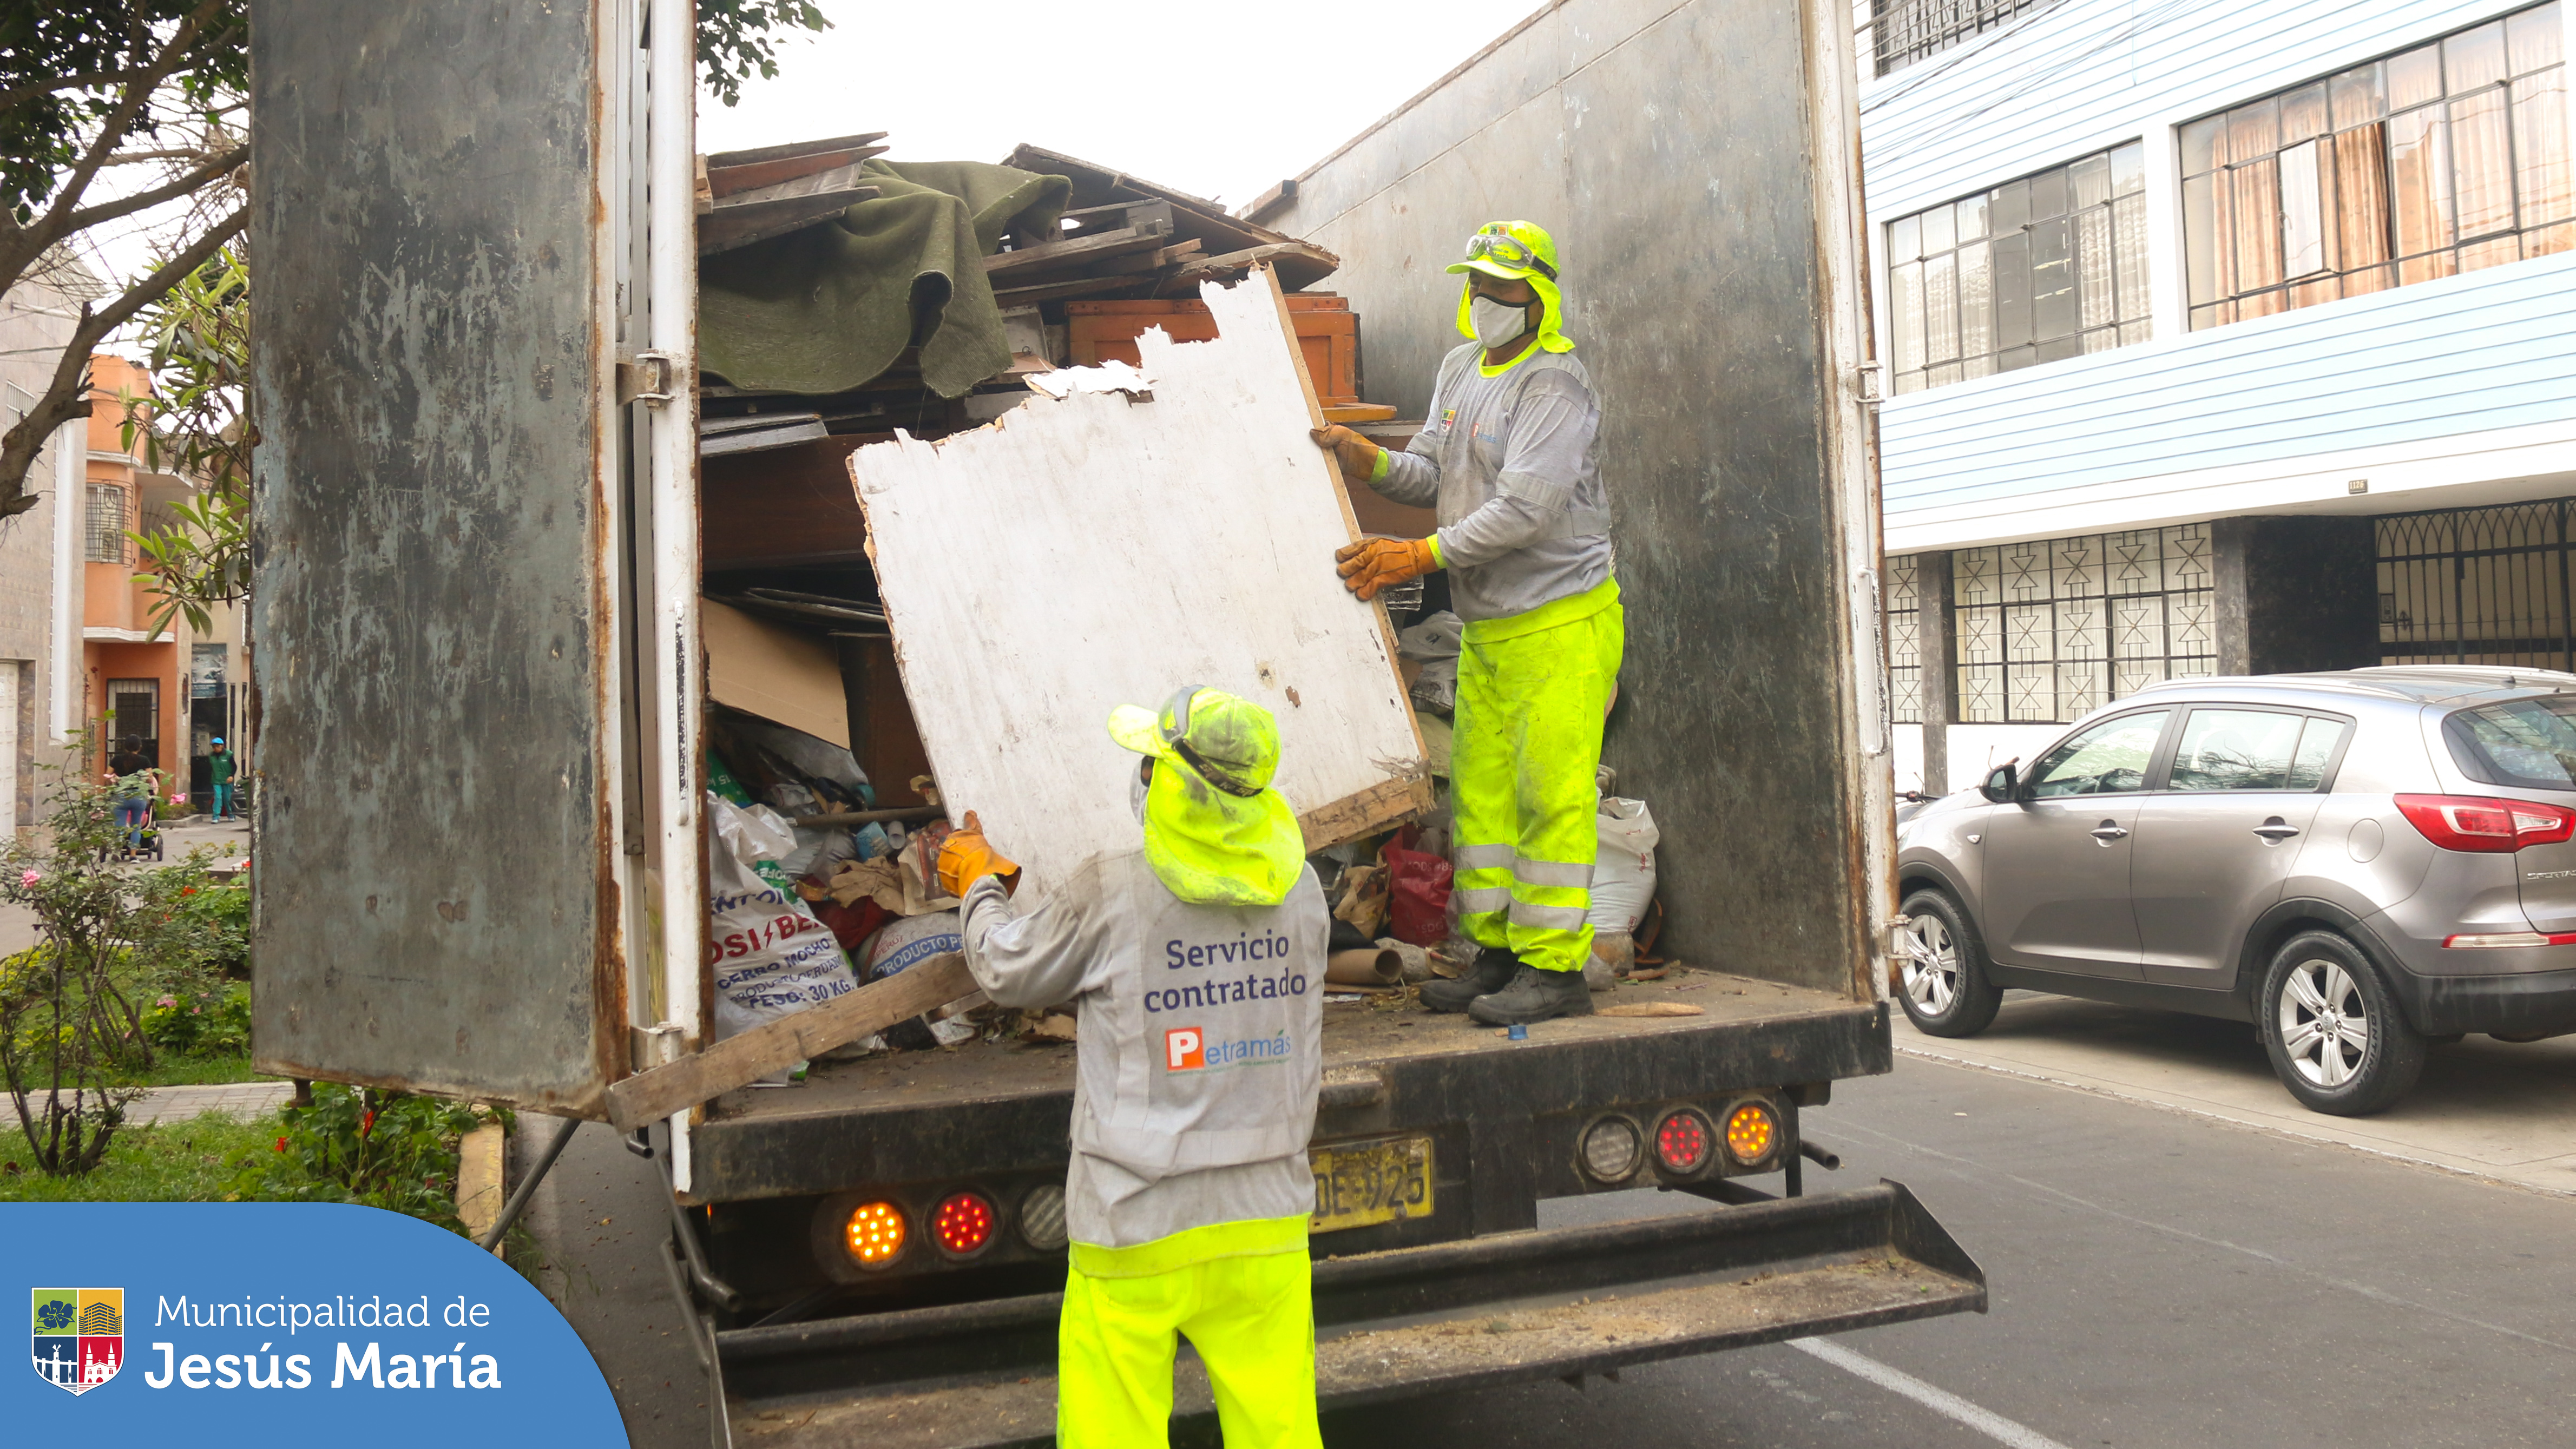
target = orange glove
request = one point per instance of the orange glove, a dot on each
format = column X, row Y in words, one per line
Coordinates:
column 1375, row 564
column 967, row 857
column 1360, row 458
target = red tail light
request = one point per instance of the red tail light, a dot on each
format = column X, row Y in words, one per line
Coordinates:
column 1683, row 1142
column 963, row 1224
column 2493, row 827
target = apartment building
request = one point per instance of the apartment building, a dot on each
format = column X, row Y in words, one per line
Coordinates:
column 2220, row 336
column 41, row 579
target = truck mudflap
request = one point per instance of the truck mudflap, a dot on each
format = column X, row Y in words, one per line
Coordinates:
column 1510, row 1308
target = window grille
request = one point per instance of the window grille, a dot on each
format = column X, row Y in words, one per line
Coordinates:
column 1904, row 642
column 2051, row 629
column 1905, row 31
column 2442, row 159
column 2048, row 267
column 107, row 524
column 2477, row 586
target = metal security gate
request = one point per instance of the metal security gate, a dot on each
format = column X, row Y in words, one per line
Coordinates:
column 2477, row 586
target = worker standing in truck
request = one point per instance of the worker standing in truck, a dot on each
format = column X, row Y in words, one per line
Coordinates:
column 1507, row 460
column 1197, row 965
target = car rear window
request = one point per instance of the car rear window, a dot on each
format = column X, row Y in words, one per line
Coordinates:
column 2526, row 742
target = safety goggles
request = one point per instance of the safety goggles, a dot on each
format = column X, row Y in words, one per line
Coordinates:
column 1494, row 244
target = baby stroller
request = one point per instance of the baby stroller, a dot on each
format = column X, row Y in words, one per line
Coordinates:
column 149, row 845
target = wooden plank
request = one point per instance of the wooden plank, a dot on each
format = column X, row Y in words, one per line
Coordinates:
column 724, row 181
column 1262, row 206
column 1299, row 264
column 750, row 216
column 1075, row 287
column 784, row 506
column 1079, row 250
column 792, row 148
column 1122, row 549
column 738, row 1061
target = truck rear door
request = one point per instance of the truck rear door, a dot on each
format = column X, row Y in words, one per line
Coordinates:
column 452, row 576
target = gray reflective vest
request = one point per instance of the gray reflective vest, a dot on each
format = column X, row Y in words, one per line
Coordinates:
column 1201, row 1042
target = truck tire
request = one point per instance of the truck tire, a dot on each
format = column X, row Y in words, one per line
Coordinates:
column 2332, row 1028
column 1941, row 976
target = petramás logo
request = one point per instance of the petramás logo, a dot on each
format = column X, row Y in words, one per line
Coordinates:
column 79, row 1336
column 1187, row 1049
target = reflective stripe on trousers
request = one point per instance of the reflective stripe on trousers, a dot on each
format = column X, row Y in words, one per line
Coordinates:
column 1523, row 755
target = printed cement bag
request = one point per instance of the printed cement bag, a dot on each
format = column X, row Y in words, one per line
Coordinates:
column 906, row 943
column 772, row 956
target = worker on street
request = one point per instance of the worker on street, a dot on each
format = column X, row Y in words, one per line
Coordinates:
column 219, row 769
column 1507, row 460
column 1197, row 964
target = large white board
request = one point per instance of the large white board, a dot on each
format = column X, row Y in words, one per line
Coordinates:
column 1099, row 550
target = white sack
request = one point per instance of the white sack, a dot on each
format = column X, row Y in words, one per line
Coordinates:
column 1623, row 873
column 772, row 957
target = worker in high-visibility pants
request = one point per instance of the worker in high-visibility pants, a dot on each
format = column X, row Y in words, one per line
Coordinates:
column 1198, row 963
column 1507, row 462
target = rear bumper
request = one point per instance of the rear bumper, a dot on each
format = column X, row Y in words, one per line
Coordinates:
column 2525, row 1003
column 1545, row 1304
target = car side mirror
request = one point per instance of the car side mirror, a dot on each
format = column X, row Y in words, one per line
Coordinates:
column 2003, row 786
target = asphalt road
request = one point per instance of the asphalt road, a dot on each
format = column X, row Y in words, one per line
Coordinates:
column 2158, row 1279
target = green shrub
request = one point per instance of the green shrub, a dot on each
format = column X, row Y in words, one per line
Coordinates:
column 380, row 1149
column 214, row 1023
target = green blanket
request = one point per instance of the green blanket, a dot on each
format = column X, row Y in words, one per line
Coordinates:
column 827, row 308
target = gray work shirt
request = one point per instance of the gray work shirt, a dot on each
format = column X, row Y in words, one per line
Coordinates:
column 1200, row 1052
column 1509, row 465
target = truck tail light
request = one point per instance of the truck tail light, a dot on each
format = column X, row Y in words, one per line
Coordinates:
column 2483, row 826
column 1683, row 1141
column 1751, row 1132
column 875, row 1234
column 1042, row 1218
column 962, row 1223
column 1611, row 1149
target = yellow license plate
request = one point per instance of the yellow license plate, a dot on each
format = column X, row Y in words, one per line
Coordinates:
column 1361, row 1183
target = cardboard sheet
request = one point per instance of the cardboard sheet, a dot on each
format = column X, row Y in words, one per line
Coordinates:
column 1106, row 548
column 774, row 672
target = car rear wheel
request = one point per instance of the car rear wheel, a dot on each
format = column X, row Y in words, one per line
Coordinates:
column 2332, row 1029
column 1941, row 968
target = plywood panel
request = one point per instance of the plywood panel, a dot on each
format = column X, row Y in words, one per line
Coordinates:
column 777, row 673
column 1096, row 551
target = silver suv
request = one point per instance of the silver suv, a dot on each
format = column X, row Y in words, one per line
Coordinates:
column 2358, row 863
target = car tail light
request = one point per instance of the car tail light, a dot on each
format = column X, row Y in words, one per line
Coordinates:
column 875, row 1234
column 2507, row 940
column 1683, row 1141
column 1751, row 1132
column 2492, row 827
column 962, row 1224
column 1611, row 1149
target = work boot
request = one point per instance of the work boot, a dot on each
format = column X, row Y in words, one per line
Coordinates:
column 1534, row 995
column 1492, row 972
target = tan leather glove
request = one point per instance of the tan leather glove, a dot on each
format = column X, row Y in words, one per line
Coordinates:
column 1373, row 565
column 1359, row 457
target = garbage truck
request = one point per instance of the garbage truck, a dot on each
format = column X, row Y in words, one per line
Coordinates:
column 481, row 717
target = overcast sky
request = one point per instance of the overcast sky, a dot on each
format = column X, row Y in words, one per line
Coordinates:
column 1222, row 101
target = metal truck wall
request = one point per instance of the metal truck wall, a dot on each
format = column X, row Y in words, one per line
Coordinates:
column 1675, row 154
column 434, row 907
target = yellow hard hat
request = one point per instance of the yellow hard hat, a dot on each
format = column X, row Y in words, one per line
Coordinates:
column 1516, row 251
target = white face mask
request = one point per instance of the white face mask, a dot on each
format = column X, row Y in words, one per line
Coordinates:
column 1497, row 324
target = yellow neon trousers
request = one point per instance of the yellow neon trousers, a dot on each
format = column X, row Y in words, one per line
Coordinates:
column 1524, row 751
column 1251, row 1316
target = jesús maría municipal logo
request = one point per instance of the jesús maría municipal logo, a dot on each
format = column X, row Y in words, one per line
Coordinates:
column 79, row 1336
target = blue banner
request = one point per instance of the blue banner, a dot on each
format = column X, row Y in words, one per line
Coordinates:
column 283, row 1323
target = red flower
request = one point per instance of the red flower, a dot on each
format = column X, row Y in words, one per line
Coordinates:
column 187, row 890
column 367, row 1124
column 281, row 1144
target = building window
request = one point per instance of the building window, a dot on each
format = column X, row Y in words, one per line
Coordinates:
column 2477, row 586
column 2047, row 267
column 2439, row 160
column 1904, row 31
column 2049, row 630
column 107, row 524
column 1904, row 642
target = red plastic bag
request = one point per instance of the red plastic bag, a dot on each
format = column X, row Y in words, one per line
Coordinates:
column 1419, row 893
